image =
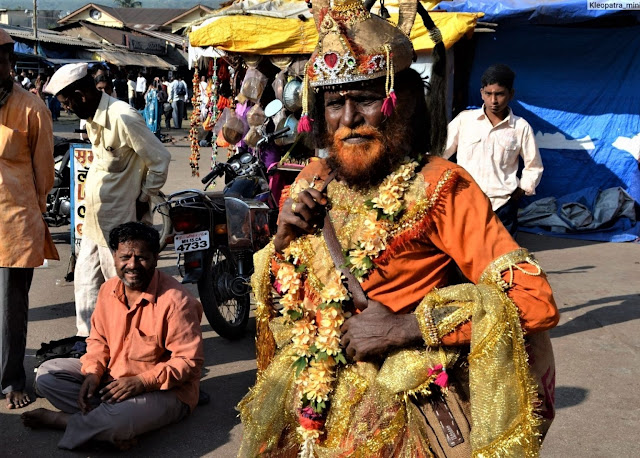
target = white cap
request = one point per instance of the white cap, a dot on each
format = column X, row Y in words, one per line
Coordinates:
column 65, row 76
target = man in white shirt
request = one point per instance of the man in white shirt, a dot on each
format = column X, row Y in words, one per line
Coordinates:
column 489, row 142
column 131, row 90
column 129, row 165
column 141, row 88
column 178, row 96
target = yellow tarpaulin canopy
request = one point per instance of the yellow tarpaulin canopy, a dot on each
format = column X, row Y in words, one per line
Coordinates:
column 255, row 34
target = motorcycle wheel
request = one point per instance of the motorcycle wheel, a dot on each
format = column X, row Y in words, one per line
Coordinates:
column 162, row 223
column 228, row 314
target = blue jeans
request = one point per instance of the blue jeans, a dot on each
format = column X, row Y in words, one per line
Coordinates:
column 508, row 214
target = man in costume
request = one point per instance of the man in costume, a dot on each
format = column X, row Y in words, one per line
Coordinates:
column 26, row 177
column 490, row 142
column 144, row 354
column 395, row 377
column 129, row 166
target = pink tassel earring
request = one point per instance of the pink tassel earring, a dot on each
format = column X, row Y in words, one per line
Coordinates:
column 389, row 104
column 305, row 123
column 305, row 120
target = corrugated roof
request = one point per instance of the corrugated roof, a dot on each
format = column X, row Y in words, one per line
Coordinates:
column 136, row 18
column 141, row 17
column 135, row 59
column 172, row 38
column 189, row 11
column 47, row 36
column 151, row 16
column 111, row 34
column 115, row 35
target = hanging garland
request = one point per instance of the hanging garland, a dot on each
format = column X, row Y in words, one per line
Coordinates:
column 212, row 103
column 195, row 122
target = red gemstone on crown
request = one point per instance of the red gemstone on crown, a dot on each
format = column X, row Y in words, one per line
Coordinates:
column 331, row 59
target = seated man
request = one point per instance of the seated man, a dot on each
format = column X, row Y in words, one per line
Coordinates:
column 144, row 353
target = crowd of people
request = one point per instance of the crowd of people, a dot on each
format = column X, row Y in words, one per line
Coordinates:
column 410, row 322
column 161, row 96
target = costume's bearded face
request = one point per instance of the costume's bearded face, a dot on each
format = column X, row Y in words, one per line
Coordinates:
column 365, row 154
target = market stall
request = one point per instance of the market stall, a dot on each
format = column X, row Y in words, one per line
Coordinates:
column 266, row 46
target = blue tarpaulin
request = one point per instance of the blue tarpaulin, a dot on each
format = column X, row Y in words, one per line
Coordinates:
column 22, row 48
column 578, row 87
column 516, row 12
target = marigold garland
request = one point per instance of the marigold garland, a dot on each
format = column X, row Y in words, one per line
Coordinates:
column 316, row 330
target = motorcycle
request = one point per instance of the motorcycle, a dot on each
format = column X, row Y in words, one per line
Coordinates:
column 58, row 208
column 216, row 234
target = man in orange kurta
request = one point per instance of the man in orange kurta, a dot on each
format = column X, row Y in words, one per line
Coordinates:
column 26, row 177
column 346, row 382
column 144, row 354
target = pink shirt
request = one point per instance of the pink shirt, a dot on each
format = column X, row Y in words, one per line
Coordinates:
column 158, row 338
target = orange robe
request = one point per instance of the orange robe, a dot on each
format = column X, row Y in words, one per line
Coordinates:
column 26, row 177
column 461, row 229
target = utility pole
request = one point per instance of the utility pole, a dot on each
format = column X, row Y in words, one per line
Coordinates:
column 34, row 23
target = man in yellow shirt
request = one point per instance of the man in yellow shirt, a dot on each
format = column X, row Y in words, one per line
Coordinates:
column 129, row 165
column 26, row 177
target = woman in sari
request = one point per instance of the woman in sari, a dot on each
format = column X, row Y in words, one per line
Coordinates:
column 151, row 112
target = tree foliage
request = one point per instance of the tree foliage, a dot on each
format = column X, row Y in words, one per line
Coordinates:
column 128, row 3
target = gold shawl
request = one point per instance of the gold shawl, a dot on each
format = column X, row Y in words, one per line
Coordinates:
column 371, row 410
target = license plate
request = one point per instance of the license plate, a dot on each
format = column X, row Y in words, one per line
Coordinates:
column 194, row 241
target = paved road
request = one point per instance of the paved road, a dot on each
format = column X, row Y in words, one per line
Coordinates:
column 597, row 347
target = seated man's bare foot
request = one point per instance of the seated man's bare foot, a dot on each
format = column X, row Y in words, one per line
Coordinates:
column 44, row 418
column 17, row 399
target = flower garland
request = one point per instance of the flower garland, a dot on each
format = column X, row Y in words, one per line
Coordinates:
column 195, row 122
column 316, row 329
column 212, row 105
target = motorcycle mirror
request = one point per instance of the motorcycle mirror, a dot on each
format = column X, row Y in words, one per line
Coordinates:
column 273, row 108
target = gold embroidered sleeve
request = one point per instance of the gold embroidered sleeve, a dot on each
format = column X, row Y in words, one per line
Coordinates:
column 493, row 273
column 442, row 310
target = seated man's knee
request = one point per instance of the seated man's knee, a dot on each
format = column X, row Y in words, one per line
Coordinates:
column 45, row 376
column 56, row 370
